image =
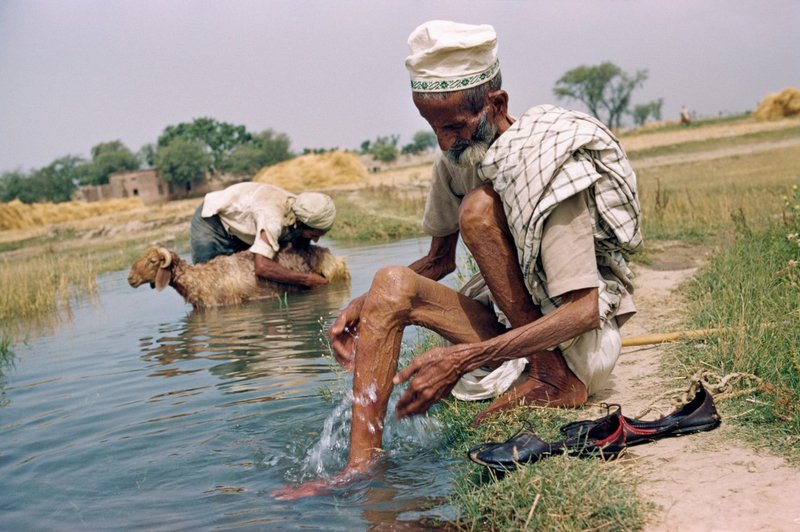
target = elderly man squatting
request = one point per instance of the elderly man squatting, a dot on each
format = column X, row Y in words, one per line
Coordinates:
column 546, row 204
column 263, row 219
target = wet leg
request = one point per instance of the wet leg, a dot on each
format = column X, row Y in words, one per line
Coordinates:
column 398, row 297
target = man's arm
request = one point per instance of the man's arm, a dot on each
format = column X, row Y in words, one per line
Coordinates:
column 272, row 271
column 441, row 258
column 437, row 371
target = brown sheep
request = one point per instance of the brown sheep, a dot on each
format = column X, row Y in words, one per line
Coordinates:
column 230, row 279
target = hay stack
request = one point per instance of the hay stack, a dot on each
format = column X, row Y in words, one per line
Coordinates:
column 18, row 215
column 314, row 172
column 779, row 105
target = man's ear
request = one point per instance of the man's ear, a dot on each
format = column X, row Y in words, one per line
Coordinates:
column 499, row 102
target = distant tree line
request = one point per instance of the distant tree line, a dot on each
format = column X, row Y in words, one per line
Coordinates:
column 182, row 153
column 384, row 148
column 187, row 151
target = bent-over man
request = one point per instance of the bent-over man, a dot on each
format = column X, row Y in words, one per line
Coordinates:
column 263, row 219
column 547, row 205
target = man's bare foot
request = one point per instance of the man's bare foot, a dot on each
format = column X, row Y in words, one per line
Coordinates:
column 311, row 488
column 550, row 383
column 300, row 491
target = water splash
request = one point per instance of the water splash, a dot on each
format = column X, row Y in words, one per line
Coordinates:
column 328, row 455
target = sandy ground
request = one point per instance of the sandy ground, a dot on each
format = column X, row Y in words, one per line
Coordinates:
column 704, row 481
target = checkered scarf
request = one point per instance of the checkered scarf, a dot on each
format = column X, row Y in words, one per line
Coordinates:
column 547, row 156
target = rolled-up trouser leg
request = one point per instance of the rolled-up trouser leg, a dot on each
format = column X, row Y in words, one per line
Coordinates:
column 210, row 239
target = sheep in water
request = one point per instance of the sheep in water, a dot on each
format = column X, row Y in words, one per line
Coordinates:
column 230, row 279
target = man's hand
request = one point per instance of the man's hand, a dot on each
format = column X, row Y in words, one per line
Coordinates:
column 272, row 271
column 344, row 332
column 434, row 373
column 312, row 279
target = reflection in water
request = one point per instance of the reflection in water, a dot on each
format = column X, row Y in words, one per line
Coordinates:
column 252, row 338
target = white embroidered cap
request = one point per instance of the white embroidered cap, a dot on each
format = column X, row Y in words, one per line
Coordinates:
column 450, row 56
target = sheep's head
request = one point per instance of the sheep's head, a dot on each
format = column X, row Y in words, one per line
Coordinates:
column 153, row 267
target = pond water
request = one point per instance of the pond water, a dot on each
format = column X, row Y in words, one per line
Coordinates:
column 142, row 413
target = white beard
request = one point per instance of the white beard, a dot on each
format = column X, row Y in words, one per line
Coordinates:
column 473, row 155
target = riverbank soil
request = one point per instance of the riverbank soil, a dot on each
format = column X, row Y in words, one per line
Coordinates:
column 702, row 481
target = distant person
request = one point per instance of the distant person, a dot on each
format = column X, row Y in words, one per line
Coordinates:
column 263, row 219
column 547, row 204
column 686, row 119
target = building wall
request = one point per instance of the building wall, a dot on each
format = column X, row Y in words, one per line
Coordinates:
column 143, row 184
column 93, row 193
column 146, row 185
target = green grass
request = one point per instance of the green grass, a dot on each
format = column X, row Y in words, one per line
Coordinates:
column 377, row 214
column 751, row 287
column 569, row 493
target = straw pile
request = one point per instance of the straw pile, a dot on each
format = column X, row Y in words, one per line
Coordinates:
column 779, row 105
column 18, row 215
column 315, row 172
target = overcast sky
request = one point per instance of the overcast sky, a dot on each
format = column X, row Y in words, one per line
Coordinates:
column 74, row 73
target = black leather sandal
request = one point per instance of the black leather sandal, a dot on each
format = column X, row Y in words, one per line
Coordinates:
column 698, row 415
column 606, row 438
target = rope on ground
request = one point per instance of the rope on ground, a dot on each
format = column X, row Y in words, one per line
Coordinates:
column 721, row 387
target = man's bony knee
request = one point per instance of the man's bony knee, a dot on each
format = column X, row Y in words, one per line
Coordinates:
column 395, row 284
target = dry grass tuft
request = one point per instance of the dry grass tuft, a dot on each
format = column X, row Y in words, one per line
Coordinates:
column 18, row 215
column 779, row 105
column 315, row 172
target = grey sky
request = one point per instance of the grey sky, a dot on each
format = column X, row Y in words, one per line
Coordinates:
column 74, row 73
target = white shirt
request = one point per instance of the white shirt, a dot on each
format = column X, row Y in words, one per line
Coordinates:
column 246, row 209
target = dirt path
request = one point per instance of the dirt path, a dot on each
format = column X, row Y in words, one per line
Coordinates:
column 676, row 158
column 699, row 482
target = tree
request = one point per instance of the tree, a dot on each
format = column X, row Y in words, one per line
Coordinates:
column 14, row 185
column 605, row 89
column 182, row 161
column 266, row 148
column 107, row 158
column 218, row 139
column 425, row 140
column 644, row 111
column 146, row 155
column 383, row 149
column 55, row 182
column 421, row 141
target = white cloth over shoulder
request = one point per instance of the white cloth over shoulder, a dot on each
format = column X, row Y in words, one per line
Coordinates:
column 550, row 154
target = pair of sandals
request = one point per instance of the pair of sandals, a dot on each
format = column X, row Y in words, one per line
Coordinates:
column 606, row 436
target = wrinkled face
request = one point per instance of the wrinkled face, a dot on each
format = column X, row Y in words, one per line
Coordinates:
column 463, row 136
